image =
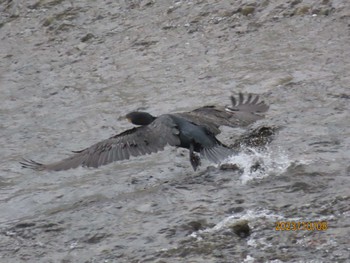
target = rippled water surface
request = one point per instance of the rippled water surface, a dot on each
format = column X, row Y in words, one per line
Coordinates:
column 70, row 70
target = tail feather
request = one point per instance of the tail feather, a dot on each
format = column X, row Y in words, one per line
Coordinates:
column 217, row 154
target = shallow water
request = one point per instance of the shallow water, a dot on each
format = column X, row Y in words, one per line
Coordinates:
column 62, row 89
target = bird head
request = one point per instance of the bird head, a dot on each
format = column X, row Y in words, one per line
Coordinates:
column 140, row 117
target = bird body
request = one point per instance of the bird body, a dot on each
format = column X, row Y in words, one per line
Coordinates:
column 192, row 133
column 195, row 130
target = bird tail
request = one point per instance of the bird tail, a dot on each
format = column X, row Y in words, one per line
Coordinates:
column 217, row 153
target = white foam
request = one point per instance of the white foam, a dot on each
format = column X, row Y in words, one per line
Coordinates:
column 253, row 217
column 249, row 215
column 272, row 161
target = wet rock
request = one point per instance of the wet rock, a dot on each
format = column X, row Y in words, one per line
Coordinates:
column 229, row 166
column 62, row 21
column 217, row 253
column 87, row 37
column 51, row 227
column 241, row 228
column 247, row 10
column 295, row 2
column 195, row 225
column 146, row 207
column 256, row 166
column 172, row 8
column 326, row 11
column 192, row 29
column 282, row 79
column 303, row 10
column 239, row 201
column 147, row 3
column 64, row 27
column 235, row 210
column 48, row 21
column 81, row 46
column 167, row 27
column 299, row 186
column 96, row 238
column 45, row 4
column 24, row 225
column 144, row 44
column 344, row 14
column 257, row 137
column 226, row 13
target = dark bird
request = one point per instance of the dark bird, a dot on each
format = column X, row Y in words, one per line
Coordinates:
column 195, row 130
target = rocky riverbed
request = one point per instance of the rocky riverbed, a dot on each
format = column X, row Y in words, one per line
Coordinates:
column 70, row 71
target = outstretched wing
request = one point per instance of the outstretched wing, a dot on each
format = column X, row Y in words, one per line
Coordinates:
column 134, row 142
column 241, row 113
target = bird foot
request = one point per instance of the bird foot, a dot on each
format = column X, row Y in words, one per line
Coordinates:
column 195, row 161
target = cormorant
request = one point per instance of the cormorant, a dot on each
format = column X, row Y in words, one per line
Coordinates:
column 195, row 130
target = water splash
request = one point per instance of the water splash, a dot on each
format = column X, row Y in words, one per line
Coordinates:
column 249, row 215
column 257, row 164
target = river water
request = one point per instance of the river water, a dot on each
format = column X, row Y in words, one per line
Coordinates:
column 70, row 70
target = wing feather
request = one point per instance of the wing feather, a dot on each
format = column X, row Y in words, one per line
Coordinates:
column 241, row 98
column 249, row 98
column 217, row 153
column 241, row 113
column 256, row 99
column 134, row 142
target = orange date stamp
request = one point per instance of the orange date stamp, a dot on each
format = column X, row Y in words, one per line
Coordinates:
column 301, row 225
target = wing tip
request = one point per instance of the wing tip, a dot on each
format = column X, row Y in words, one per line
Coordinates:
column 31, row 164
column 250, row 100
